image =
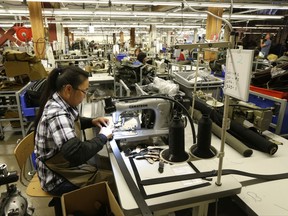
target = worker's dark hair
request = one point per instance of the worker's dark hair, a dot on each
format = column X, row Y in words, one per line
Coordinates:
column 141, row 56
column 57, row 79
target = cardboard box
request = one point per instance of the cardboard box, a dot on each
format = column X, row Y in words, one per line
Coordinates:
column 35, row 71
column 86, row 199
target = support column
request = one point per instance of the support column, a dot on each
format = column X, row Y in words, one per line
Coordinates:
column 66, row 39
column 60, row 35
column 114, row 38
column 71, row 39
column 195, row 35
column 152, row 38
column 213, row 28
column 169, row 33
column 52, row 34
column 121, row 39
column 132, row 37
column 38, row 33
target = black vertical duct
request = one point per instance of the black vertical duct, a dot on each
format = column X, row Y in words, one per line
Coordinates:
column 203, row 147
column 176, row 151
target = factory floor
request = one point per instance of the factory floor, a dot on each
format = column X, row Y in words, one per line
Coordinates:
column 7, row 157
column 225, row 207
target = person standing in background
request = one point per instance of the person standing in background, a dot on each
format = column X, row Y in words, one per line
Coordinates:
column 181, row 56
column 265, row 45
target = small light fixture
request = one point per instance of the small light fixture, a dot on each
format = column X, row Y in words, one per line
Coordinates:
column 91, row 29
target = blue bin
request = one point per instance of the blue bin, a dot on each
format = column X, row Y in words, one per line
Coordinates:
column 28, row 112
column 120, row 56
column 265, row 103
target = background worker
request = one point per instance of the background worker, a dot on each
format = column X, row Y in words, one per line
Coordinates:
column 65, row 162
column 181, row 56
column 265, row 45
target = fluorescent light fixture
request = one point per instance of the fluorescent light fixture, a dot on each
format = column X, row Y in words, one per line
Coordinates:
column 261, row 6
column 106, row 26
column 270, row 25
column 91, row 29
column 87, row 13
column 178, row 27
column 280, row 6
column 255, row 27
column 256, row 33
column 6, row 25
column 11, row 25
column 248, row 16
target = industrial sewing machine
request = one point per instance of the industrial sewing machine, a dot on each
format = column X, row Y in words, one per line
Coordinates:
column 241, row 112
column 139, row 119
column 246, row 114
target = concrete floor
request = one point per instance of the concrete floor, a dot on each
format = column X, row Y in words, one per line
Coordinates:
column 6, row 156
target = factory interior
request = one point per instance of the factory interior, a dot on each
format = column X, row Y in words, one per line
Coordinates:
column 193, row 93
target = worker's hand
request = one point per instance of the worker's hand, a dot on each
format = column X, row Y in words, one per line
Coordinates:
column 100, row 122
column 107, row 131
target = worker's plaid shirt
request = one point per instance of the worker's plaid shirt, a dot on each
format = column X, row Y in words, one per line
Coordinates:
column 55, row 128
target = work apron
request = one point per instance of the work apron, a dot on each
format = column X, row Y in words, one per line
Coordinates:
column 81, row 175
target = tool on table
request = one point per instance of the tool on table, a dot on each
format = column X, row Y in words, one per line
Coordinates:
column 151, row 154
column 161, row 166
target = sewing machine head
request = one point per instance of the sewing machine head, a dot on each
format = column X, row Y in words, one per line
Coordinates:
column 241, row 111
column 154, row 113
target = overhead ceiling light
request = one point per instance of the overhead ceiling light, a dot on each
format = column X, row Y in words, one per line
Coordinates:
column 271, row 25
column 280, row 6
column 172, row 27
column 88, row 13
column 250, row 16
column 261, row 6
column 255, row 27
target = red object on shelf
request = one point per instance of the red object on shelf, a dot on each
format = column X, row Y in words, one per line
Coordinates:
column 273, row 93
column 23, row 34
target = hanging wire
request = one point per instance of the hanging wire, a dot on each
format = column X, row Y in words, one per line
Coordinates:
column 208, row 12
column 182, row 11
column 110, row 8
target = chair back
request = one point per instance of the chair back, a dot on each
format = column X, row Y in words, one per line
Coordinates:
column 22, row 152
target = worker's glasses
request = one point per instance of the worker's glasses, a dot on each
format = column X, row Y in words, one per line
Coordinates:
column 83, row 91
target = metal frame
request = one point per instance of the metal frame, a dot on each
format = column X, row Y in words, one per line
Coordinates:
column 283, row 102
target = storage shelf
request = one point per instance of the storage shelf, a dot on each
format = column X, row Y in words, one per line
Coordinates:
column 12, row 102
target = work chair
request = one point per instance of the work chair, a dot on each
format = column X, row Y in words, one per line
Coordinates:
column 23, row 152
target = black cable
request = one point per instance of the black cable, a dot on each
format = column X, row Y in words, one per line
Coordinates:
column 214, row 173
column 166, row 98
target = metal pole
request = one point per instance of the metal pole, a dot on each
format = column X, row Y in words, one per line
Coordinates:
column 195, row 83
column 225, row 125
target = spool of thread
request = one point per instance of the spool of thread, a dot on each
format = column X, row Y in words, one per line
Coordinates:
column 235, row 143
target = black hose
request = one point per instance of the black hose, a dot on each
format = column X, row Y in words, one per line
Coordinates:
column 249, row 137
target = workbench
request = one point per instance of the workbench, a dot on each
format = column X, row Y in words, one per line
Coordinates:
column 257, row 197
column 100, row 78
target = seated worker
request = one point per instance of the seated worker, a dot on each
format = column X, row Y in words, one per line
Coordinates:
column 137, row 51
column 65, row 162
column 181, row 56
column 142, row 57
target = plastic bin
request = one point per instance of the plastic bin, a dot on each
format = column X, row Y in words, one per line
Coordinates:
column 273, row 93
column 182, row 78
column 27, row 112
column 120, row 56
